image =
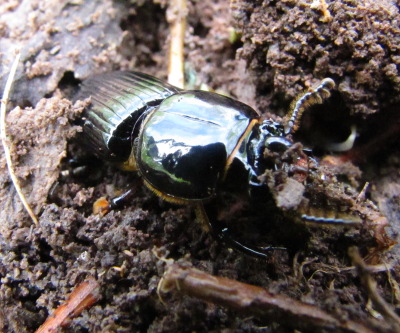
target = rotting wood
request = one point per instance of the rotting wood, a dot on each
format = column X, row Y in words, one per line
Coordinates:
column 82, row 297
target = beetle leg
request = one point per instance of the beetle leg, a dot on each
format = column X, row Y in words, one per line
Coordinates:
column 102, row 206
column 311, row 97
column 222, row 233
column 120, row 201
column 84, row 168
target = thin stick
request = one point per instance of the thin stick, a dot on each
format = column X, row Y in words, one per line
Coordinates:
column 3, row 135
column 82, row 297
column 253, row 300
column 176, row 16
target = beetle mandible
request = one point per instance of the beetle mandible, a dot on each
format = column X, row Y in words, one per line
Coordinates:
column 185, row 144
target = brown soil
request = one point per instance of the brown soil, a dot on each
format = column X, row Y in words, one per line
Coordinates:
column 263, row 53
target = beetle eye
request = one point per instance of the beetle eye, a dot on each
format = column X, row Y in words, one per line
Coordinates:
column 277, row 144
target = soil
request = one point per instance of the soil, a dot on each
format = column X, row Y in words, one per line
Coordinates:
column 263, row 53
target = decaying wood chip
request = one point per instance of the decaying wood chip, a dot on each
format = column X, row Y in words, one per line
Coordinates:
column 253, row 300
column 82, row 297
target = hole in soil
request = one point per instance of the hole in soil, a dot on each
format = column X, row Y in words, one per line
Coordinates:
column 200, row 30
column 378, row 137
column 25, row 104
column 326, row 123
column 44, row 251
column 68, row 79
column 69, row 84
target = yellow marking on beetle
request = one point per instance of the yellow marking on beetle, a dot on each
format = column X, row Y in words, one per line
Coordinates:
column 166, row 197
column 202, row 217
column 228, row 163
column 130, row 163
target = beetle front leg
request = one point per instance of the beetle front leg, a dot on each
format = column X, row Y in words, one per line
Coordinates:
column 221, row 231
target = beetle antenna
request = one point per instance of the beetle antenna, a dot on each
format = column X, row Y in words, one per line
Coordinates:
column 311, row 97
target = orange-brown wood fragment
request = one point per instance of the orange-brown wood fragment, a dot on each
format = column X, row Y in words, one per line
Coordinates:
column 81, row 298
column 101, row 206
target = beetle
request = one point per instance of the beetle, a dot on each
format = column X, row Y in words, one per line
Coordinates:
column 185, row 143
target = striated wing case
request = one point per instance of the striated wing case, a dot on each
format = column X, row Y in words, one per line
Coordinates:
column 119, row 102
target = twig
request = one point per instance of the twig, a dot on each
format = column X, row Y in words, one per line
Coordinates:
column 370, row 285
column 3, row 134
column 361, row 195
column 82, row 297
column 176, row 16
column 254, row 300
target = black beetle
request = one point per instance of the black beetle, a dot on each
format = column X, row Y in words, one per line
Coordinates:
column 184, row 143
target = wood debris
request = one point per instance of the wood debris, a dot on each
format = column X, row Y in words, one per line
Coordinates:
column 253, row 300
column 82, row 297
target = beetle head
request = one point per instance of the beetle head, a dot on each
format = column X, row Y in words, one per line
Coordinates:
column 267, row 135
